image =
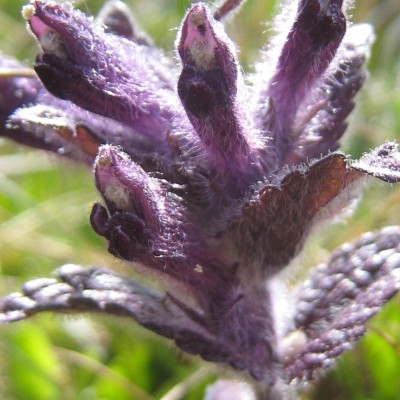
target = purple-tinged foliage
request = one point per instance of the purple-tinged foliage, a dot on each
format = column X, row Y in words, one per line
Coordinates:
column 210, row 184
column 331, row 309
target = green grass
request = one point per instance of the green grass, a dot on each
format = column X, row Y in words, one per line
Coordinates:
column 44, row 209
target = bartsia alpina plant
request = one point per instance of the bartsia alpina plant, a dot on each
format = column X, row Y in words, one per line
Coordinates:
column 212, row 181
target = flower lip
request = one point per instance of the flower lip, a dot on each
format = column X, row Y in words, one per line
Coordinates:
column 55, row 29
column 108, row 181
column 50, row 41
column 125, row 186
column 104, row 158
column 198, row 20
column 197, row 44
column 111, row 156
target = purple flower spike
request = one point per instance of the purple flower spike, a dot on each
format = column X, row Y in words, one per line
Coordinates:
column 211, row 186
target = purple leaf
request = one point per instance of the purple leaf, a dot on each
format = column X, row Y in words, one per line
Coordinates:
column 341, row 296
column 279, row 217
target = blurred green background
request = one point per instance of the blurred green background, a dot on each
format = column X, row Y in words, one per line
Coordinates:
column 44, row 209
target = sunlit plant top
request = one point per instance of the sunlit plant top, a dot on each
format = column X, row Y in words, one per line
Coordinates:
column 212, row 181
